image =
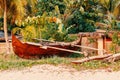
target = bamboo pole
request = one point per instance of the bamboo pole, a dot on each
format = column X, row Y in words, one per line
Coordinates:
column 45, row 47
column 89, row 47
column 67, row 50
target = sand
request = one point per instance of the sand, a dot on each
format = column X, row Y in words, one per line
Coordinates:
column 50, row 72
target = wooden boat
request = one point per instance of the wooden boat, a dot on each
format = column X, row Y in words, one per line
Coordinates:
column 30, row 50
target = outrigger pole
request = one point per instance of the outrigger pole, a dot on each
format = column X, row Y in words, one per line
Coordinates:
column 67, row 50
column 74, row 45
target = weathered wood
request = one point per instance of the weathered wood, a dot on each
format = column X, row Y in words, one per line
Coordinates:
column 62, row 49
column 90, row 48
column 112, row 58
column 91, row 58
column 91, row 34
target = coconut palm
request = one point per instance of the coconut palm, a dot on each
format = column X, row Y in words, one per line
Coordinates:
column 13, row 10
column 111, row 7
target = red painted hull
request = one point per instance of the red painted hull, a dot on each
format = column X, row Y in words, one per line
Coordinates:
column 29, row 51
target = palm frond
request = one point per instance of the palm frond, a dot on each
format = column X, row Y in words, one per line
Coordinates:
column 1, row 3
column 1, row 8
column 31, row 6
column 16, row 10
column 116, row 7
column 116, row 3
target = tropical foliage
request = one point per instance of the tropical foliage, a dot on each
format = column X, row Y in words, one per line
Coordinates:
column 74, row 16
column 83, row 17
column 49, row 6
column 42, row 27
column 111, row 9
column 55, row 19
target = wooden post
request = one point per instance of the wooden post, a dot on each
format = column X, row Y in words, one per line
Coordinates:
column 100, row 46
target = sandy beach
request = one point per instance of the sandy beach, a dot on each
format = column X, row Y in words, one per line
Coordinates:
column 50, row 72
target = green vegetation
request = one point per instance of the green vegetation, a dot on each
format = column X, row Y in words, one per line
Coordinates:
column 45, row 27
column 14, row 62
column 67, row 17
column 49, row 7
column 83, row 17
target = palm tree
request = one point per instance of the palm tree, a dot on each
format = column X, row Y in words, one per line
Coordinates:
column 111, row 7
column 117, row 11
column 14, row 10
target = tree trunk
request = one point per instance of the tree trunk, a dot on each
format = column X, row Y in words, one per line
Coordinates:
column 5, row 28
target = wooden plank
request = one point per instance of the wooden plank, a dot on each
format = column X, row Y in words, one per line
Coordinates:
column 92, row 58
column 113, row 58
column 67, row 50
